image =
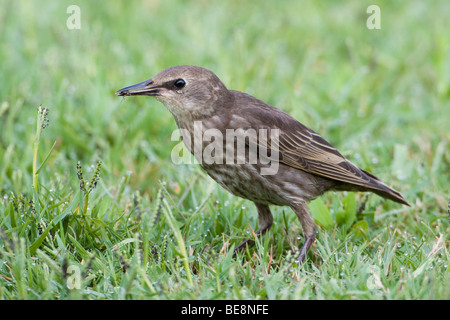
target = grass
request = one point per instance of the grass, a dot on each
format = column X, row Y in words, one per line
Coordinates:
column 92, row 207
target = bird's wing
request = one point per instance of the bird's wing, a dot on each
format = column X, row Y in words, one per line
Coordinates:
column 301, row 147
column 306, row 150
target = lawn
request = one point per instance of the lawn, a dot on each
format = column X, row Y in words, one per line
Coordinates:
column 92, row 207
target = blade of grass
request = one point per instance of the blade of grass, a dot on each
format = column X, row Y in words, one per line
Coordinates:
column 176, row 230
column 41, row 238
column 85, row 255
column 46, row 158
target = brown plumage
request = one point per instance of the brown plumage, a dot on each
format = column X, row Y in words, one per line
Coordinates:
column 307, row 165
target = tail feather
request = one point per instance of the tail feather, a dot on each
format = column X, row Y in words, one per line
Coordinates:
column 391, row 194
column 377, row 186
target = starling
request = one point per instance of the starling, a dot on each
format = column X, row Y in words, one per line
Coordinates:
column 254, row 150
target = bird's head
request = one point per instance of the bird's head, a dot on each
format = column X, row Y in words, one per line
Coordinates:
column 183, row 90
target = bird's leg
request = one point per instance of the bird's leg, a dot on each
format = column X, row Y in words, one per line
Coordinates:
column 265, row 220
column 308, row 226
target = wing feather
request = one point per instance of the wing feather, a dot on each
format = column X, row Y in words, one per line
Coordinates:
column 301, row 147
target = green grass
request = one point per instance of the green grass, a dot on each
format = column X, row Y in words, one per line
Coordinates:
column 145, row 228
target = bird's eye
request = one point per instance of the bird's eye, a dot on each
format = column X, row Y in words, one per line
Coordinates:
column 180, row 83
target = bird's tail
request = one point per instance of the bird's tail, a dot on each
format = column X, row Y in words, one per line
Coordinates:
column 377, row 186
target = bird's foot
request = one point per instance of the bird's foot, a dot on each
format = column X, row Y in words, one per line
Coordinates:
column 244, row 243
column 242, row 246
column 305, row 248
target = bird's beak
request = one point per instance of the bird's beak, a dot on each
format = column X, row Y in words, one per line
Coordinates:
column 147, row 88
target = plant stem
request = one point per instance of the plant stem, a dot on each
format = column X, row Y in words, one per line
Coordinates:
column 36, row 148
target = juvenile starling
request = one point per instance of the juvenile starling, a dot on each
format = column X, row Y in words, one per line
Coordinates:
column 303, row 164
